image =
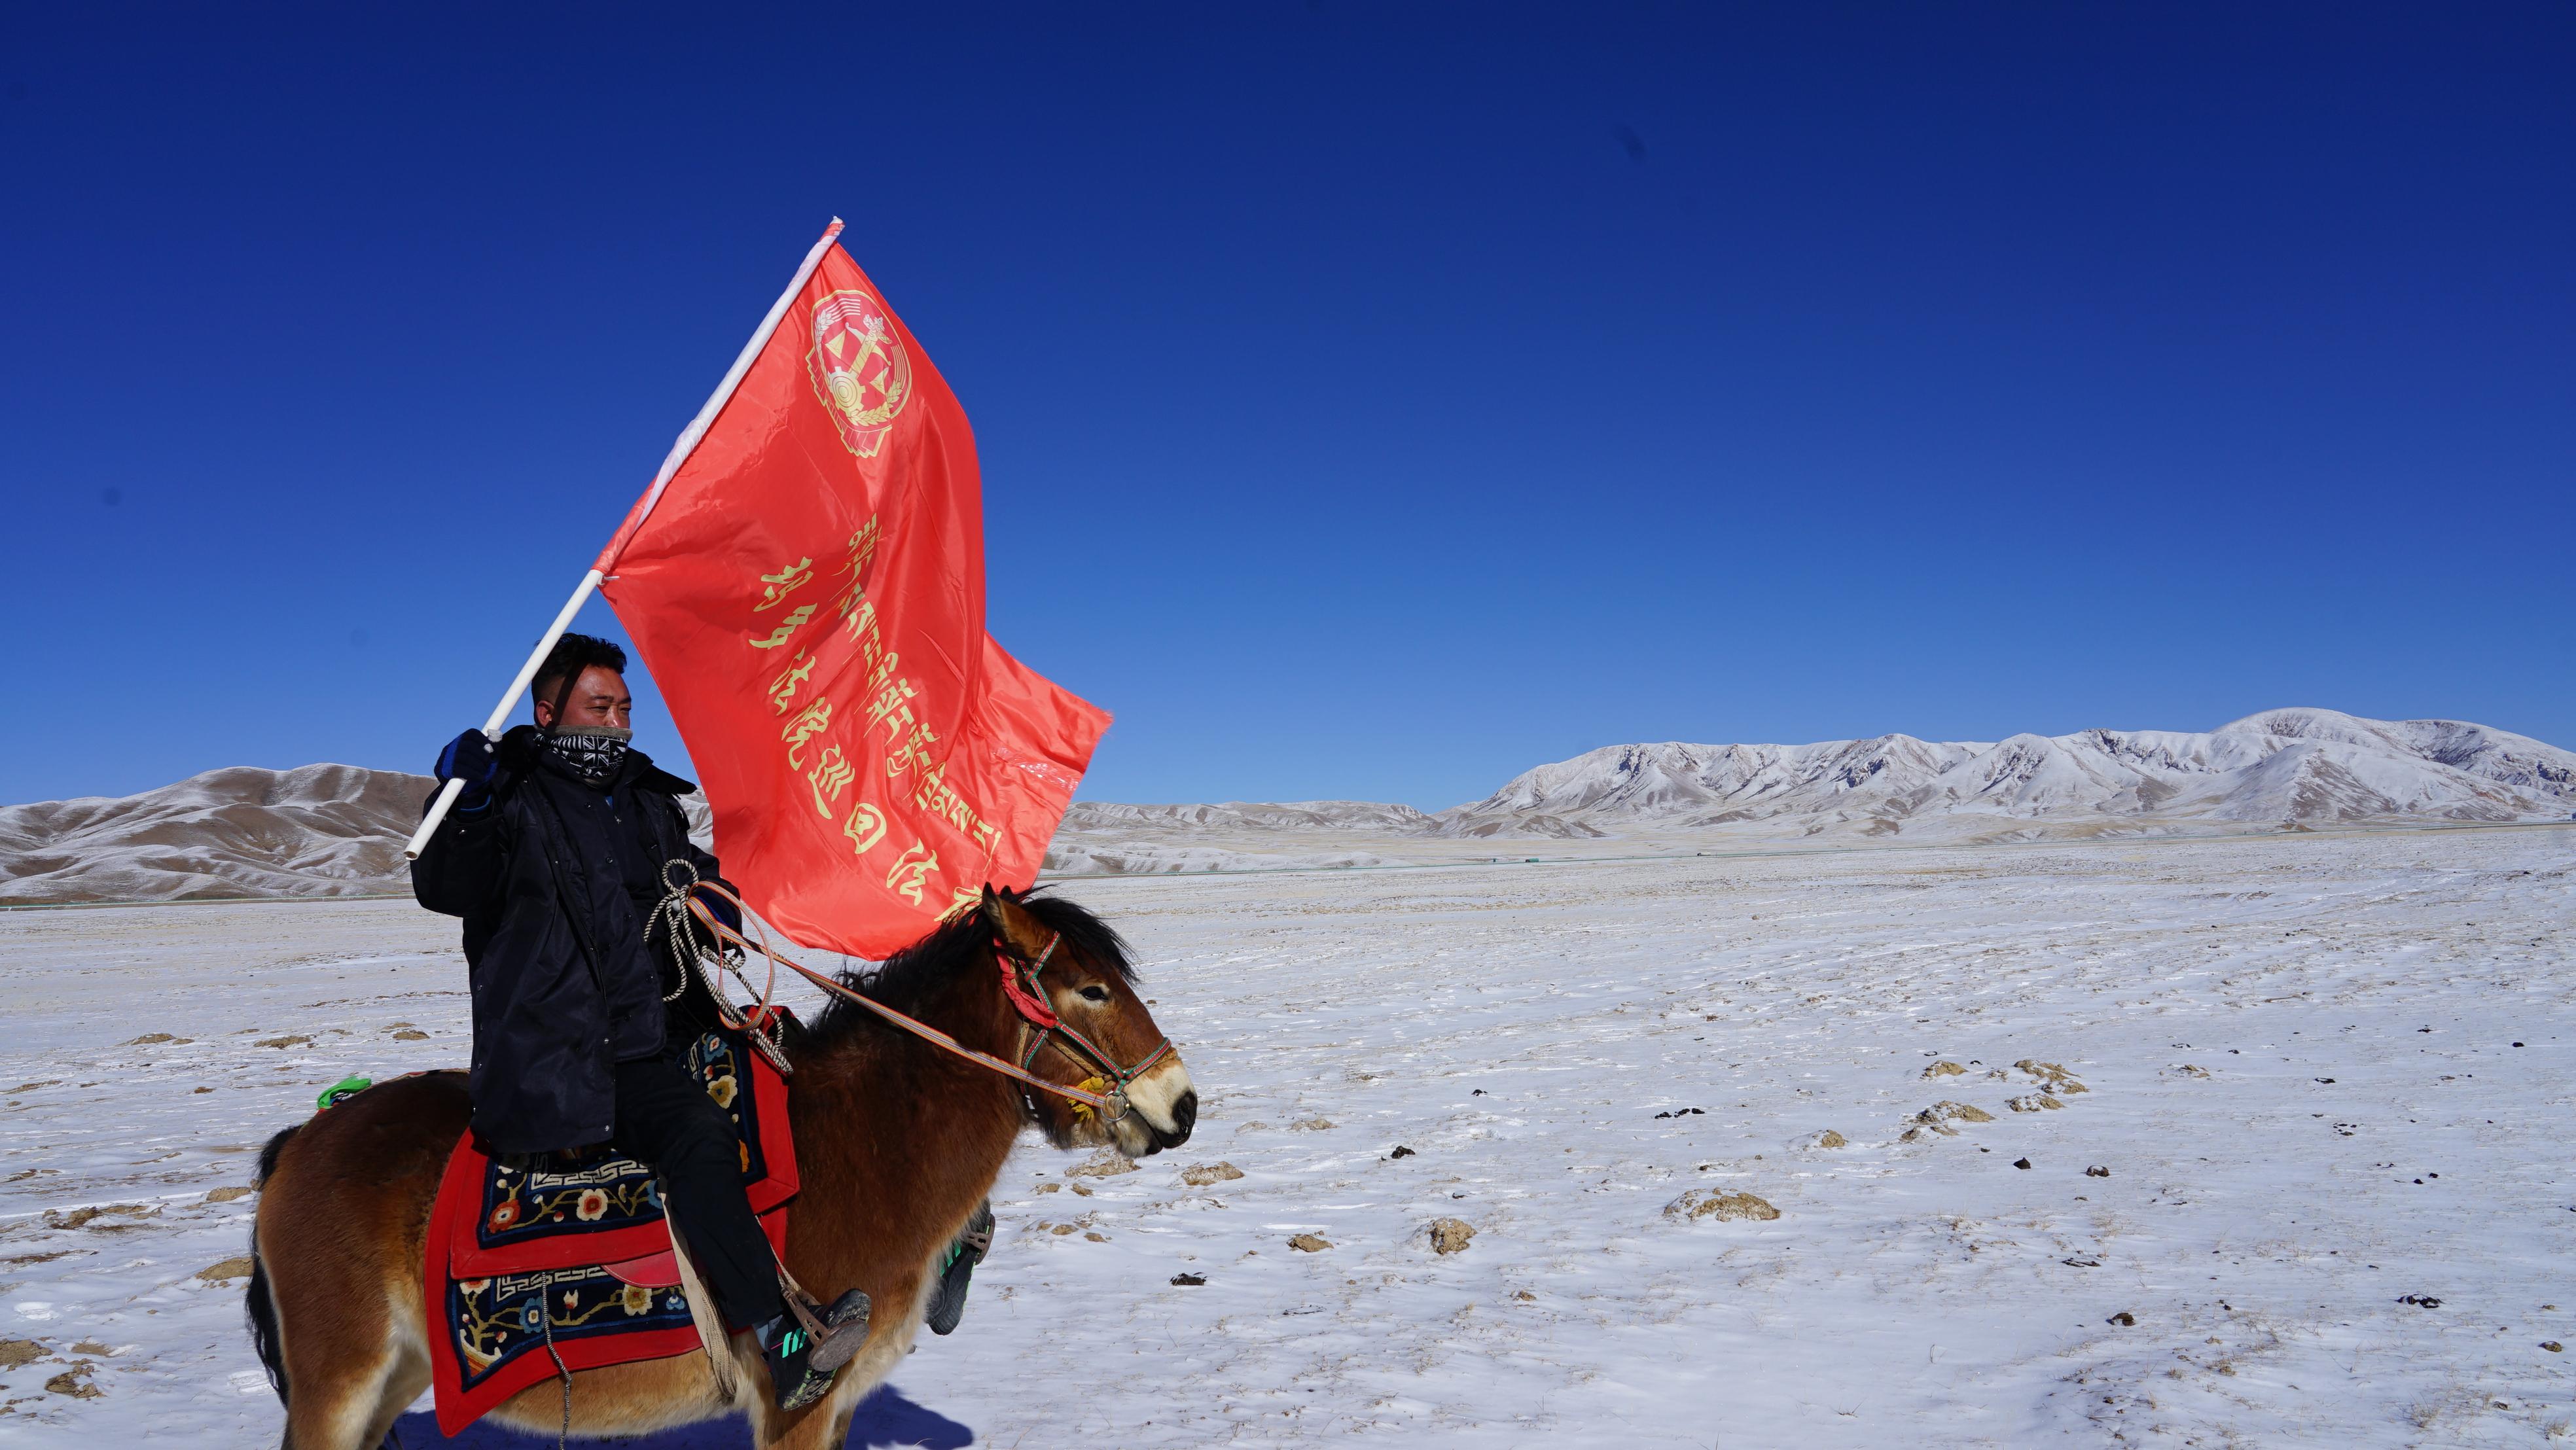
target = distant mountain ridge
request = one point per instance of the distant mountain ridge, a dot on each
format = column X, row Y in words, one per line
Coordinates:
column 337, row 830
column 2304, row 767
column 239, row 832
column 316, row 830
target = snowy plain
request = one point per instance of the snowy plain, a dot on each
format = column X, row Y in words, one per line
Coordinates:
column 2326, row 1074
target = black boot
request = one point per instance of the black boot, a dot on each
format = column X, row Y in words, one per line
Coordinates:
column 801, row 1366
column 948, row 1300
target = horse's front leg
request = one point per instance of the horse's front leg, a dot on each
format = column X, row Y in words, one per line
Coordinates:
column 822, row 1425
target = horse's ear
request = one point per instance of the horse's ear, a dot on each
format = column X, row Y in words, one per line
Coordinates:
column 1011, row 921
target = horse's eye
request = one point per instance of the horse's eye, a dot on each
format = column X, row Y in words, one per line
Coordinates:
column 1094, row 994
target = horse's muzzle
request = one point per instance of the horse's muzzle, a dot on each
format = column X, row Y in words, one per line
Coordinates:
column 1185, row 1116
column 1165, row 1107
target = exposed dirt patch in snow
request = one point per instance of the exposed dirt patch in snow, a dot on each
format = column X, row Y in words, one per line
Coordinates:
column 1701, row 1203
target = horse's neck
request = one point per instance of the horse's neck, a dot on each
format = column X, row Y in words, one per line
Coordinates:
column 905, row 1136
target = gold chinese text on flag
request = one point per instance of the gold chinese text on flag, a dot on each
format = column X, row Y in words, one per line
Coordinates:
column 807, row 587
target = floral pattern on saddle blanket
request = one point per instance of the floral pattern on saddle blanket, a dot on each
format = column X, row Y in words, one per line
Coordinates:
column 496, row 1319
column 529, row 1262
column 528, row 1215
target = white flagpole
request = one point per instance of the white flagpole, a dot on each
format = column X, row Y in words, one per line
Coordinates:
column 680, row 451
column 501, row 712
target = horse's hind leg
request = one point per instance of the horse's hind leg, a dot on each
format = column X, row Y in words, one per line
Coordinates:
column 358, row 1416
column 405, row 1378
column 342, row 1393
column 351, row 1365
column 342, row 1214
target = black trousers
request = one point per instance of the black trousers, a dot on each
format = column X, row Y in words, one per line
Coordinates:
column 666, row 1119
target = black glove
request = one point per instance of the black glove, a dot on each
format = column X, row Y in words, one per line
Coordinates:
column 469, row 758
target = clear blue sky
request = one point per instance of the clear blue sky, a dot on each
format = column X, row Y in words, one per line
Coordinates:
column 1374, row 400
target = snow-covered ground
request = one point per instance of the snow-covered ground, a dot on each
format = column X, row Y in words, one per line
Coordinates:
column 2325, row 1074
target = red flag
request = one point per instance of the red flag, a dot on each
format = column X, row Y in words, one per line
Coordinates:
column 806, row 583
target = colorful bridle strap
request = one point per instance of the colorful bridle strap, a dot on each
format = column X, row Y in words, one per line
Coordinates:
column 1030, row 999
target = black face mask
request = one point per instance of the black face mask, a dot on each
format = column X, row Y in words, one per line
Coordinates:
column 592, row 752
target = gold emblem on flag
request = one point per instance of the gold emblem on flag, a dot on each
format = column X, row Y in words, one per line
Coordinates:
column 859, row 368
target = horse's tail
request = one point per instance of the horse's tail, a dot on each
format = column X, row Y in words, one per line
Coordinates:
column 263, row 1308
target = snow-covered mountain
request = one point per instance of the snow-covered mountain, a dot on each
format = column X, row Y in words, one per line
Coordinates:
column 317, row 830
column 2296, row 767
column 1088, row 816
column 337, row 830
column 244, row 831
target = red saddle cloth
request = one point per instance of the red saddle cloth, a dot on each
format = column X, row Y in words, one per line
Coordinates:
column 520, row 1251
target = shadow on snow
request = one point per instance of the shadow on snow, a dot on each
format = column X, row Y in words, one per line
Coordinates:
column 885, row 1417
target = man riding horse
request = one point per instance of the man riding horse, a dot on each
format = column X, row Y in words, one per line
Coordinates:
column 555, row 858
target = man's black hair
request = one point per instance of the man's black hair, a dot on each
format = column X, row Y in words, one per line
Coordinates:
column 571, row 655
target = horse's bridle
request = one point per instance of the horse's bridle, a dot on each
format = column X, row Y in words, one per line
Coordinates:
column 1041, row 1028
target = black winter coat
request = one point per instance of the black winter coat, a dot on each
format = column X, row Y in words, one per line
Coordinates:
column 546, row 876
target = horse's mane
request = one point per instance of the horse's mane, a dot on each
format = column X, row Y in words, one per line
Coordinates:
column 965, row 942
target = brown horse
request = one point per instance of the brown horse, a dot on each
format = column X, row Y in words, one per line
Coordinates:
column 897, row 1141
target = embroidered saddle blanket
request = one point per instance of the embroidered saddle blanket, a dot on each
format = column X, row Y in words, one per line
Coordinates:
column 523, row 1250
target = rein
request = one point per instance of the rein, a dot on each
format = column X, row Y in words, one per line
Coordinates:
column 1026, row 1000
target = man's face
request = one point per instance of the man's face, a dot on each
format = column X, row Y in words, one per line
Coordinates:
column 598, row 698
